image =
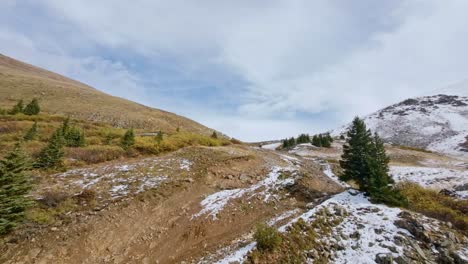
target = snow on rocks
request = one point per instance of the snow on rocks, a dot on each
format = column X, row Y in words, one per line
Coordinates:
column 437, row 178
column 237, row 256
column 272, row 146
column 438, row 123
column 185, row 164
column 216, row 202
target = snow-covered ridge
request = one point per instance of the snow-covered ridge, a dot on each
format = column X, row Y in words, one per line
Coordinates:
column 438, row 123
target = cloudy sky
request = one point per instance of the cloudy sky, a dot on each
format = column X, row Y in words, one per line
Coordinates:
column 255, row 70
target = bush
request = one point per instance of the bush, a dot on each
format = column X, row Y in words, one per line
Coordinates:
column 95, row 154
column 32, row 108
column 267, row 238
column 433, row 204
column 128, row 140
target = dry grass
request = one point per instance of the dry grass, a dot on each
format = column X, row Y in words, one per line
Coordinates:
column 436, row 205
column 102, row 140
column 63, row 96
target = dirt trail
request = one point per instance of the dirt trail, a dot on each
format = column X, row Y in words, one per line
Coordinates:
column 158, row 225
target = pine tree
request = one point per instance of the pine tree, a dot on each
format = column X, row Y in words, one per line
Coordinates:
column 214, row 135
column 32, row 108
column 74, row 137
column 316, row 141
column 32, row 132
column 354, row 160
column 325, row 141
column 65, row 126
column 128, row 139
column 51, row 157
column 14, row 186
column 303, row 138
column 365, row 161
column 17, row 109
column 285, row 143
column 292, row 142
column 159, row 137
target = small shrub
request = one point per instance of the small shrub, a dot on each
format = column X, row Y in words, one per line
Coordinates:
column 53, row 198
column 95, row 154
column 267, row 238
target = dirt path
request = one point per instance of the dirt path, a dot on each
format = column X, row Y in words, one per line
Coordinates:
column 158, row 225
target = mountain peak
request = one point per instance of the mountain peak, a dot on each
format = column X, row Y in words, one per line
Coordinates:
column 438, row 122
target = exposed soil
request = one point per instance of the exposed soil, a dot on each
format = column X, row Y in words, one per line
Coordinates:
column 157, row 225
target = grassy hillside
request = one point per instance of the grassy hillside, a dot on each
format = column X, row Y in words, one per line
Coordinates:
column 102, row 141
column 63, row 96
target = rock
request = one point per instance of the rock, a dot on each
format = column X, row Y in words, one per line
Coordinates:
column 383, row 258
column 401, row 260
column 190, row 180
column 457, row 258
column 360, row 226
column 378, row 231
column 413, row 226
column 399, row 240
column 54, row 229
column 356, row 235
column 244, row 178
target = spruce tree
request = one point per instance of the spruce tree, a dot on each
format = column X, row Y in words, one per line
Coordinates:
column 159, row 137
column 17, row 109
column 292, row 142
column 214, row 135
column 51, row 157
column 316, row 141
column 74, row 137
column 65, row 126
column 285, row 143
column 128, row 139
column 354, row 160
column 32, row 108
column 14, row 186
column 32, row 133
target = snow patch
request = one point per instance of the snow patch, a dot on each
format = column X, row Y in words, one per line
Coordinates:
column 216, row 202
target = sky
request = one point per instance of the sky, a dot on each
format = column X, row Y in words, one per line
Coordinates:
column 254, row 70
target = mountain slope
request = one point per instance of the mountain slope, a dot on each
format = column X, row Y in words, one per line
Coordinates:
column 60, row 95
column 438, row 123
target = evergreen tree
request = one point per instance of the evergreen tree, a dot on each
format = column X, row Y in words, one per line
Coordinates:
column 354, row 160
column 52, row 155
column 32, row 132
column 32, row 108
column 14, row 186
column 214, row 135
column 303, row 138
column 292, row 142
column 74, row 137
column 65, row 126
column 178, row 129
column 285, row 143
column 365, row 161
column 325, row 141
column 128, row 139
column 18, row 108
column 316, row 141
column 159, row 137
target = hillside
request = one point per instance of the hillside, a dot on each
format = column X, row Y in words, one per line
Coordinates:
column 438, row 123
column 60, row 95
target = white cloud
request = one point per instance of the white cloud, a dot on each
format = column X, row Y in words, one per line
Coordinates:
column 295, row 56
